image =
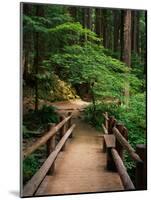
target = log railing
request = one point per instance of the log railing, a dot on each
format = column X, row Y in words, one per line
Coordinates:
column 115, row 154
column 65, row 130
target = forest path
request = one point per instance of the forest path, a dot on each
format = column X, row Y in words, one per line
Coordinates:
column 81, row 168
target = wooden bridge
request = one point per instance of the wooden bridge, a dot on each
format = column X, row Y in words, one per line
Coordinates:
column 85, row 160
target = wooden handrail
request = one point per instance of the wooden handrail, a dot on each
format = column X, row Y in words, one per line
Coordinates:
column 42, row 140
column 127, row 183
column 126, row 145
column 32, row 185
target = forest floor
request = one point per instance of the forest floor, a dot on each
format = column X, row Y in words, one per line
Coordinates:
column 81, row 168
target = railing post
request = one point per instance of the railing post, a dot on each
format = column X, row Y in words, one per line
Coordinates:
column 106, row 121
column 141, row 168
column 110, row 161
column 51, row 143
column 111, row 124
column 63, row 131
column 62, row 117
column 69, row 124
column 124, row 133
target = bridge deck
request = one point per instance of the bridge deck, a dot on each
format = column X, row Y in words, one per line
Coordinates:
column 81, row 168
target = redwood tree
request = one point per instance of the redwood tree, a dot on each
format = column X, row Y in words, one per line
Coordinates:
column 127, row 48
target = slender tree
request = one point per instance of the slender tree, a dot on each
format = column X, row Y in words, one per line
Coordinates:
column 73, row 12
column 122, row 35
column 89, row 18
column 116, row 18
column 98, row 21
column 127, row 48
column 135, row 31
column 27, row 42
column 38, row 56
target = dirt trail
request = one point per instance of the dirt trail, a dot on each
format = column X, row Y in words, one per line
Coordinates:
column 81, row 167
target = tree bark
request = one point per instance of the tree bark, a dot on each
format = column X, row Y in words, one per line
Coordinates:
column 38, row 57
column 89, row 18
column 84, row 14
column 104, row 27
column 122, row 35
column 98, row 21
column 135, row 31
column 127, row 49
column 127, row 38
column 27, row 40
column 73, row 12
column 116, row 30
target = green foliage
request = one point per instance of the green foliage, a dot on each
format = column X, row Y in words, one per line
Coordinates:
column 34, row 24
column 39, row 119
column 108, row 74
column 69, row 34
column 30, row 166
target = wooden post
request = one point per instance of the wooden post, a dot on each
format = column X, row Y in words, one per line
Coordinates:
column 106, row 121
column 104, row 146
column 110, row 162
column 51, row 143
column 111, row 124
column 69, row 124
column 141, row 168
column 124, row 133
column 63, row 131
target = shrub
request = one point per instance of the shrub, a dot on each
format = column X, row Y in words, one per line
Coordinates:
column 30, row 166
column 35, row 120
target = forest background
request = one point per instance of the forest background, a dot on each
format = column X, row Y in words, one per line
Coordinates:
column 94, row 54
column 12, row 111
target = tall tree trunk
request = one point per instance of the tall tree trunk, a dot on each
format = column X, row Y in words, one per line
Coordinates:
column 36, row 66
column 104, row 27
column 127, row 38
column 38, row 57
column 116, row 30
column 98, row 21
column 89, row 18
column 27, row 40
column 73, row 12
column 135, row 31
column 122, row 35
column 84, row 14
column 127, row 49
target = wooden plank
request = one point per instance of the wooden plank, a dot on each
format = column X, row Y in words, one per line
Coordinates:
column 109, row 140
column 33, row 184
column 126, row 145
column 44, row 138
column 127, row 183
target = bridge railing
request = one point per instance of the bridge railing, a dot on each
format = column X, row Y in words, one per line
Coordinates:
column 117, row 135
column 65, row 129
